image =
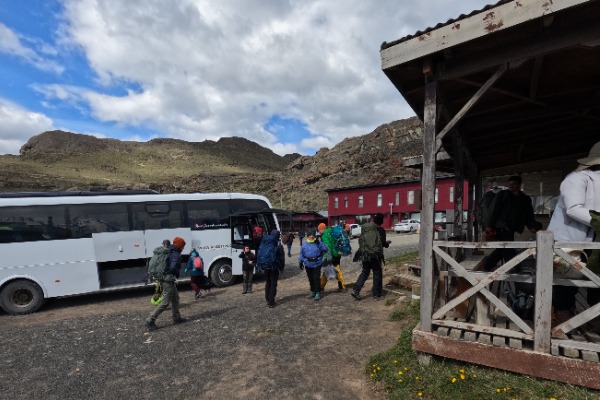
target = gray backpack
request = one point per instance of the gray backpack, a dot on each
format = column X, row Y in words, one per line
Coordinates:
column 370, row 242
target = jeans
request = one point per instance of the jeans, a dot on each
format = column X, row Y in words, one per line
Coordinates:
column 248, row 275
column 367, row 266
column 271, row 275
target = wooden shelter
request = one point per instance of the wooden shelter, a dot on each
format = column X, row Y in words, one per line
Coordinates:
column 511, row 88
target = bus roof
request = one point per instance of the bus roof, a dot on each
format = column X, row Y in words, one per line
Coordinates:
column 7, row 200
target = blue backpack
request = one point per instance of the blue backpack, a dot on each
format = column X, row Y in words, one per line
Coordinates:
column 266, row 257
column 342, row 242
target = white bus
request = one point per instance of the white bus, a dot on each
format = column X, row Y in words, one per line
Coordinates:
column 66, row 243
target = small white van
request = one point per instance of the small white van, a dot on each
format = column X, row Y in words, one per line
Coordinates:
column 355, row 230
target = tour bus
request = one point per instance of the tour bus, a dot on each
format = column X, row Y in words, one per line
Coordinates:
column 67, row 243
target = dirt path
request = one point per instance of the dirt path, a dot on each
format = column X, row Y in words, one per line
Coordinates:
column 234, row 347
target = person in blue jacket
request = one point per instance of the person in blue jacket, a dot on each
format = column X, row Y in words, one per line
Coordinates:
column 311, row 259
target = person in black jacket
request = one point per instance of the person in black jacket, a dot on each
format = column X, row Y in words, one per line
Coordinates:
column 513, row 210
column 169, row 285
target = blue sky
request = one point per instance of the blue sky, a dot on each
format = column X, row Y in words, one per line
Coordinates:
column 293, row 76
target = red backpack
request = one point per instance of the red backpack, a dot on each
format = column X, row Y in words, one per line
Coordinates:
column 257, row 232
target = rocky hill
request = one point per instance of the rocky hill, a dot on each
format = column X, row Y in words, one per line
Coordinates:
column 58, row 160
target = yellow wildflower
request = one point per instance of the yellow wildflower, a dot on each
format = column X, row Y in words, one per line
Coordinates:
column 462, row 376
column 453, row 380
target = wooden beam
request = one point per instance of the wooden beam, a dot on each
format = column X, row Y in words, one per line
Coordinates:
column 482, row 24
column 427, row 197
column 542, row 313
column 544, row 43
column 535, row 76
column 541, row 365
column 472, row 101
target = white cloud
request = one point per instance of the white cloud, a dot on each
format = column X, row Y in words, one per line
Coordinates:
column 10, row 43
column 203, row 70
column 18, row 125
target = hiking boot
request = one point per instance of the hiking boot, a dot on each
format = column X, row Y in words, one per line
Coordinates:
column 355, row 295
column 198, row 296
column 342, row 290
column 179, row 320
column 150, row 325
column 272, row 305
column 317, row 296
column 311, row 295
column 244, row 292
column 377, row 298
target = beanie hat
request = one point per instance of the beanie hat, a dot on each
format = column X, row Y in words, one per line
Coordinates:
column 179, row 243
column 321, row 227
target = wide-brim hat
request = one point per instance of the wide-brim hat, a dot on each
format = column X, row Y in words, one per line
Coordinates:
column 592, row 159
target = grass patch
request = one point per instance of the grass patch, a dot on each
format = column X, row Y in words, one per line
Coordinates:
column 399, row 371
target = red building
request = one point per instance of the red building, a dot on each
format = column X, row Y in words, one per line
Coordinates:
column 396, row 201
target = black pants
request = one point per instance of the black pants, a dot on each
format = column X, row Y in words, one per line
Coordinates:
column 248, row 274
column 502, row 235
column 368, row 266
column 314, row 278
column 271, row 278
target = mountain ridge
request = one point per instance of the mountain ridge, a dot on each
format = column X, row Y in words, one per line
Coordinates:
column 58, row 160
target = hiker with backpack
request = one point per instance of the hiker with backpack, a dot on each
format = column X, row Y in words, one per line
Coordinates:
column 195, row 267
column 167, row 279
column 511, row 213
column 271, row 259
column 371, row 243
column 311, row 259
column 338, row 243
column 248, row 262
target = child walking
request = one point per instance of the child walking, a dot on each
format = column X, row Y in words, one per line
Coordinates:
column 248, row 262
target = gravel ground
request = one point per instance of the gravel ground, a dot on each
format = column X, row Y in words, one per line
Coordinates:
column 233, row 347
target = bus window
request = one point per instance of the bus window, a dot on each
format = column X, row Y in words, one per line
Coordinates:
column 86, row 219
column 157, row 215
column 208, row 214
column 32, row 223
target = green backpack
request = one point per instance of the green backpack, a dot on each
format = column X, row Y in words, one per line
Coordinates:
column 158, row 263
column 370, row 242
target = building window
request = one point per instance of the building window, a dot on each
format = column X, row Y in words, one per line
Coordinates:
column 379, row 199
column 437, row 191
column 397, row 198
column 346, row 202
column 451, row 194
column 360, row 201
column 335, row 202
column 411, row 197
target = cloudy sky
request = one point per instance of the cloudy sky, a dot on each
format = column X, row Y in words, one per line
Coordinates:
column 292, row 75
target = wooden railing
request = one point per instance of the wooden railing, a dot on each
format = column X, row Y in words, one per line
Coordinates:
column 459, row 260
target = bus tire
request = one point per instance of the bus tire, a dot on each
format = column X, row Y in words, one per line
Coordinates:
column 21, row 297
column 221, row 274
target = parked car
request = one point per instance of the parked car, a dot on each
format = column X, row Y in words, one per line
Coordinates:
column 407, row 225
column 355, row 230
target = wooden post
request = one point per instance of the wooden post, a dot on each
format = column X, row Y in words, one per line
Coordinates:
column 427, row 210
column 543, row 291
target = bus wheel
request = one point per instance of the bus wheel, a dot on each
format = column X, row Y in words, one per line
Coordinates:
column 21, row 297
column 222, row 274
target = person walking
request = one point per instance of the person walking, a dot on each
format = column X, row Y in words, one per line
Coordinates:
column 195, row 267
column 336, row 258
column 169, row 285
column 248, row 261
column 371, row 243
column 289, row 240
column 311, row 259
column 301, row 237
column 271, row 259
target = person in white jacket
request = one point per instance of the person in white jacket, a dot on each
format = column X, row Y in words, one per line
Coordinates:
column 579, row 193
